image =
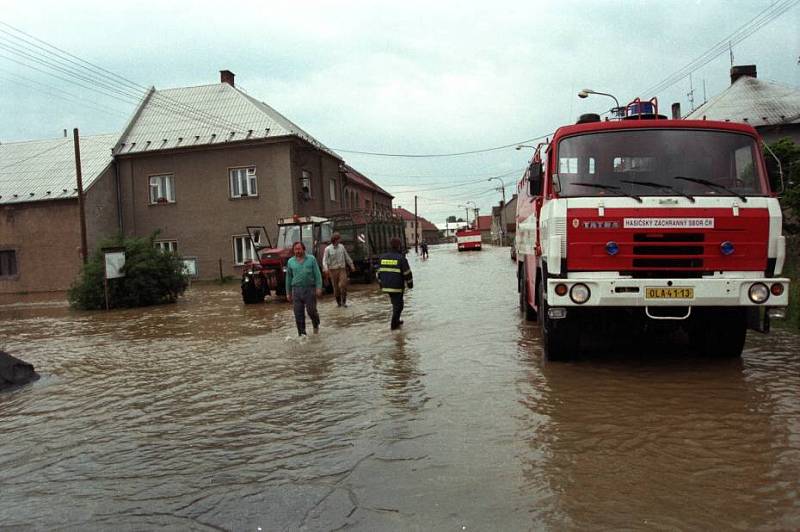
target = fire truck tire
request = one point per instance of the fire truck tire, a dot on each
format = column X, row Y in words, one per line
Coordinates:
column 720, row 333
column 559, row 339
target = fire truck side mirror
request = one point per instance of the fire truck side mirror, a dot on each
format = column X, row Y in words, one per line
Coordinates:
column 774, row 171
column 535, row 179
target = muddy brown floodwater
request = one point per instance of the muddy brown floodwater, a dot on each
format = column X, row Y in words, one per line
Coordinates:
column 209, row 414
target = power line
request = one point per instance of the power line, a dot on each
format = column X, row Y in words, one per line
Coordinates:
column 51, row 148
column 113, row 85
column 763, row 18
column 432, row 155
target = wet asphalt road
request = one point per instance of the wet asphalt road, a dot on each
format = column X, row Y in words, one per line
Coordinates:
column 209, row 414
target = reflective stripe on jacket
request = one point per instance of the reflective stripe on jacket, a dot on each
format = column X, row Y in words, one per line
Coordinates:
column 394, row 272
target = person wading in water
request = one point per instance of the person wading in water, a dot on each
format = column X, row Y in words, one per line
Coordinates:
column 394, row 275
column 336, row 262
column 303, row 286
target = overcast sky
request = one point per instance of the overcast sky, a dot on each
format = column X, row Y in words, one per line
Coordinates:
column 400, row 78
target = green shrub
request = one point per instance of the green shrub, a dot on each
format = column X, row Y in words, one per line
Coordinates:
column 151, row 277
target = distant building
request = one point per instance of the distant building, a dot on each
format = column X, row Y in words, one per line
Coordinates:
column 448, row 229
column 504, row 221
column 360, row 192
column 484, row 224
column 773, row 109
column 424, row 229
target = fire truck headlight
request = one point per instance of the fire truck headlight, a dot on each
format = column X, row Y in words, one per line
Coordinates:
column 758, row 293
column 776, row 289
column 580, row 293
column 612, row 248
column 727, row 248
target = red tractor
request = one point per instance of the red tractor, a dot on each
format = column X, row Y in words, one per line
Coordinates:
column 267, row 275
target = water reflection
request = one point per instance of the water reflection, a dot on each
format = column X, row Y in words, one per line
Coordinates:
column 666, row 441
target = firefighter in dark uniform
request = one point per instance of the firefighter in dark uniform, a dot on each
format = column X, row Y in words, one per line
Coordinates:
column 394, row 274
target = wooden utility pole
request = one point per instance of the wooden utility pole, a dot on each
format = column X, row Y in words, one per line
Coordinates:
column 81, row 209
column 416, row 228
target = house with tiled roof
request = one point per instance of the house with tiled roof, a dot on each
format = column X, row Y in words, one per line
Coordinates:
column 772, row 108
column 423, row 228
column 195, row 164
column 484, row 225
column 200, row 164
column 40, row 229
column 360, row 192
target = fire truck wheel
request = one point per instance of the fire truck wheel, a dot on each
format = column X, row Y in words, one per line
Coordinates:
column 559, row 340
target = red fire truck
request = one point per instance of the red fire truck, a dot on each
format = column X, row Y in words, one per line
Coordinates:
column 468, row 238
column 639, row 226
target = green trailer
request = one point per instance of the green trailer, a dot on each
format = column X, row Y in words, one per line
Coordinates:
column 367, row 236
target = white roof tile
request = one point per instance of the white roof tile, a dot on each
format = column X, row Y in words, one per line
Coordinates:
column 753, row 101
column 197, row 116
column 40, row 170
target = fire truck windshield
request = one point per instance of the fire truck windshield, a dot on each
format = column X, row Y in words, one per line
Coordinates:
column 289, row 234
column 659, row 162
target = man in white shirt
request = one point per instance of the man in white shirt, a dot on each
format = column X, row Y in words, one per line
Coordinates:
column 336, row 262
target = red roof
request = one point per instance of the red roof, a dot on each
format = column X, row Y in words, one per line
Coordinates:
column 409, row 216
column 360, row 179
column 485, row 222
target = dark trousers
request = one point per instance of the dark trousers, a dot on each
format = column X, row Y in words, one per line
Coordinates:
column 304, row 298
column 397, row 308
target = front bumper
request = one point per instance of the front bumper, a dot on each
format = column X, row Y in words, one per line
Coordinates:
column 707, row 292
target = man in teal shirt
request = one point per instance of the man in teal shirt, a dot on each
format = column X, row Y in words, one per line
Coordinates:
column 303, row 285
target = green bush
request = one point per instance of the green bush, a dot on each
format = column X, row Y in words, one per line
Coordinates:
column 152, row 277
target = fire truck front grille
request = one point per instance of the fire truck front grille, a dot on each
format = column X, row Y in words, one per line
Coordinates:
column 668, row 263
column 668, row 237
column 668, row 251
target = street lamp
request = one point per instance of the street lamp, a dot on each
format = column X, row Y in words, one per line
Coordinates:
column 520, row 146
column 502, row 208
column 466, row 211
column 586, row 92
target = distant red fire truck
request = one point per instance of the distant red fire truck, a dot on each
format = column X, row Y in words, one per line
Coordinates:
column 638, row 226
column 467, row 239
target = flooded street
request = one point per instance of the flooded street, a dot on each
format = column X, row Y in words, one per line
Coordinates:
column 210, row 414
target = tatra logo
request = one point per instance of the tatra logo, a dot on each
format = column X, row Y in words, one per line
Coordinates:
column 576, row 223
column 603, row 224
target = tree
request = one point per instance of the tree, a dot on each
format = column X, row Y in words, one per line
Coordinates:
column 788, row 152
column 152, row 277
column 451, row 219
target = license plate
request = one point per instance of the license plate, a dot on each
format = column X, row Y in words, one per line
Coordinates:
column 672, row 292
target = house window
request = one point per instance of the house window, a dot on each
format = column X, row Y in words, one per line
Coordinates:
column 162, row 189
column 333, row 189
column 243, row 182
column 305, row 184
column 165, row 246
column 8, row 263
column 243, row 249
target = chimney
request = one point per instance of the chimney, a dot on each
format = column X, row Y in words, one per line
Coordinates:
column 226, row 76
column 676, row 111
column 742, row 71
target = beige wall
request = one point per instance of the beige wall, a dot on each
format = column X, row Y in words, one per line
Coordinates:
column 46, row 238
column 204, row 218
column 100, row 206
